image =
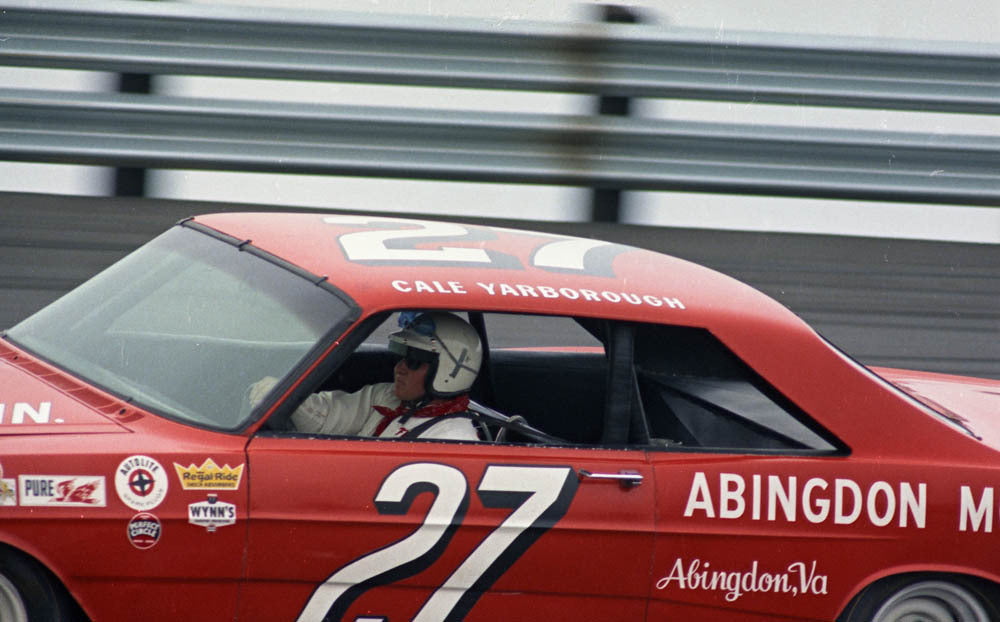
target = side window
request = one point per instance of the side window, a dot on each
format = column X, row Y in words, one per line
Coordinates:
column 696, row 393
column 550, row 370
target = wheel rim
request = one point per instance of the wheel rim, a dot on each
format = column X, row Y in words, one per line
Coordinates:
column 11, row 605
column 932, row 601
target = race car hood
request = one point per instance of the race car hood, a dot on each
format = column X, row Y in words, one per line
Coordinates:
column 37, row 399
column 972, row 402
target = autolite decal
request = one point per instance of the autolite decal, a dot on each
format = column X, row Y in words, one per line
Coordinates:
column 62, row 490
column 141, row 482
column 209, row 476
column 798, row 578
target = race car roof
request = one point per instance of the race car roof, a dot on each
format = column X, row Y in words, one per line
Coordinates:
column 386, row 263
column 393, row 263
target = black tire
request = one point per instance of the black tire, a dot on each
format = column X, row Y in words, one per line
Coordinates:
column 929, row 598
column 29, row 593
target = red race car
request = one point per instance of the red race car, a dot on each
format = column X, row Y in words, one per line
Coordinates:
column 629, row 436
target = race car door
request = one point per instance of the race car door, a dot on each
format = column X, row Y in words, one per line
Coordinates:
column 365, row 530
column 733, row 459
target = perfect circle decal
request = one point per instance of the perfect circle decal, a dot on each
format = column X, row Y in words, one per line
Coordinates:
column 144, row 531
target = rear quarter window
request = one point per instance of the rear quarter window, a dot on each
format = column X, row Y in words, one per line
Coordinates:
column 697, row 393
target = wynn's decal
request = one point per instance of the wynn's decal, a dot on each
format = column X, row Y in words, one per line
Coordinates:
column 539, row 497
column 798, row 578
column 212, row 513
column 395, row 242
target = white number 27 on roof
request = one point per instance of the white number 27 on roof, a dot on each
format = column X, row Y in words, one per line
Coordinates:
column 395, row 242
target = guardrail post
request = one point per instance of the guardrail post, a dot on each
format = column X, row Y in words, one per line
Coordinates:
column 130, row 181
column 606, row 202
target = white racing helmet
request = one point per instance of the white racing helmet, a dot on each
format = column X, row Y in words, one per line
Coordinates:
column 447, row 342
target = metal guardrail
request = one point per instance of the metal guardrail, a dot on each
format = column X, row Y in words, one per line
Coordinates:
column 639, row 60
column 606, row 59
column 156, row 131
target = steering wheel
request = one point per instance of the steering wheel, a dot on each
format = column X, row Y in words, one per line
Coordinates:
column 502, row 432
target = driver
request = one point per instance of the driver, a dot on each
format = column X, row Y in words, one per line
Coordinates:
column 439, row 355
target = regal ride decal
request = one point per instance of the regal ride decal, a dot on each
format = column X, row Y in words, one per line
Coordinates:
column 209, row 476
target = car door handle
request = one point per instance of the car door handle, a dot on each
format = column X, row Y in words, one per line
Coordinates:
column 625, row 479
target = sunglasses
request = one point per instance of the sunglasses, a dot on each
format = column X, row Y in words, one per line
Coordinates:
column 413, row 357
column 412, row 362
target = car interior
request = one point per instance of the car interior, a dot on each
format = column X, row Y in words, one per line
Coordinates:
column 583, row 381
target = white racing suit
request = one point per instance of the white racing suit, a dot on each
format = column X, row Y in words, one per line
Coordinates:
column 373, row 410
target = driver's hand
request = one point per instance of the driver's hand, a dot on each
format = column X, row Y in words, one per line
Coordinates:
column 260, row 388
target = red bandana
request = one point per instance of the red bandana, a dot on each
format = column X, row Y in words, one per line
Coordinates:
column 434, row 409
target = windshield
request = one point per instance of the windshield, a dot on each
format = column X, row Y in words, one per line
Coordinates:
column 184, row 325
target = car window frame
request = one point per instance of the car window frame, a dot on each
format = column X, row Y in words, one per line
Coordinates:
column 838, row 447
column 301, row 386
column 623, row 408
column 259, row 413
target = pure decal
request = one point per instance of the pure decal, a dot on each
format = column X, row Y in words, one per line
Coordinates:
column 62, row 490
